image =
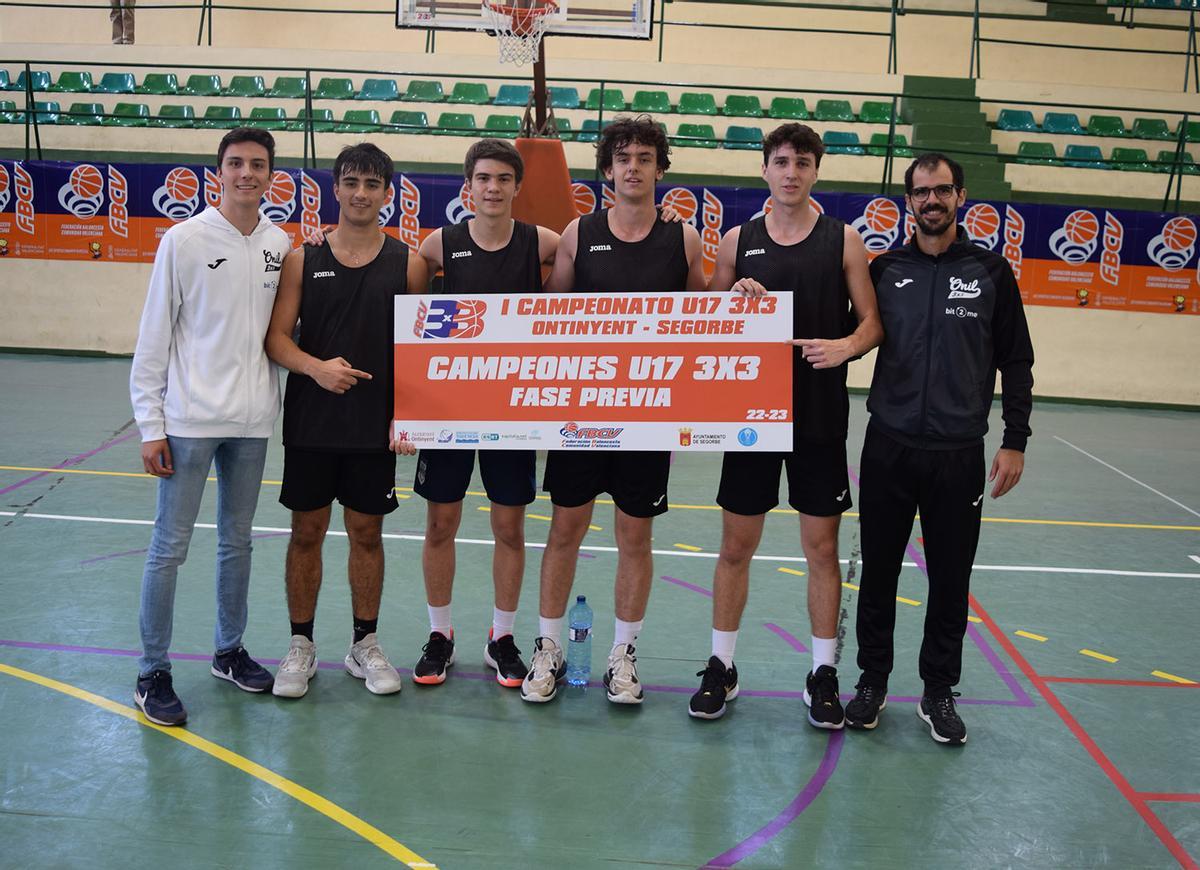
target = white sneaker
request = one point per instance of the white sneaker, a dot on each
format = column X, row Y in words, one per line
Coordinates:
column 547, row 667
column 367, row 662
column 621, row 678
column 297, row 668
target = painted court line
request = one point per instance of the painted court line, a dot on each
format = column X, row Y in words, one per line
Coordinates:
column 1091, row 653
column 791, row 571
column 1128, row 476
column 292, row 789
column 1170, row 796
column 1040, row 638
column 74, row 460
column 1178, row 683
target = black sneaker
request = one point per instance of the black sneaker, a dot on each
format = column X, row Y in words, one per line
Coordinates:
column 157, row 700
column 943, row 720
column 437, row 655
column 821, row 698
column 863, row 709
column 503, row 656
column 719, row 684
column 237, row 667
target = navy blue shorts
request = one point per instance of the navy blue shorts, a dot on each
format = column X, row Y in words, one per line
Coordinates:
column 818, row 482
column 509, row 476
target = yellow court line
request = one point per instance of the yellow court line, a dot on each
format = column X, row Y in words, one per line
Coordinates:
column 538, row 517
column 974, row 619
column 904, row 600
column 688, row 547
column 798, row 573
column 1174, row 679
column 850, row 586
column 595, row 528
column 1031, row 636
column 1095, row 655
column 294, row 790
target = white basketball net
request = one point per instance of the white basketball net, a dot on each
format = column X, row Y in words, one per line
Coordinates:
column 518, row 30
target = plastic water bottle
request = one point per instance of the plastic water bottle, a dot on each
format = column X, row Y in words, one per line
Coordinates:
column 579, row 643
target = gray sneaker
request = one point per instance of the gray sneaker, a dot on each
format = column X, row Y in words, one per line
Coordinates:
column 297, row 668
column 547, row 667
column 621, row 678
column 367, row 662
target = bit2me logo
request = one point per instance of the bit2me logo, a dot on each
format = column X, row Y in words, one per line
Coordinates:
column 83, row 194
column 879, row 224
column 1174, row 246
column 450, row 318
column 178, row 196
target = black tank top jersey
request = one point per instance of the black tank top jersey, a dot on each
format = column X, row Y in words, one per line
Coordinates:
column 812, row 270
column 468, row 268
column 346, row 312
column 604, row 263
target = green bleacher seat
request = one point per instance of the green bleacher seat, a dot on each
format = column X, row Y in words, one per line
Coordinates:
column 334, row 88
column 115, row 83
column 697, row 104
column 220, row 118
column 407, row 121
column 1016, row 119
column 8, row 112
column 4, row 80
column 40, row 79
column 1062, row 123
column 174, row 116
column 1084, row 157
column 246, row 86
column 513, row 95
column 288, row 88
column 564, row 98
column 1166, row 161
column 1150, row 128
column 202, row 85
column 359, row 121
column 384, row 90
column 841, row 142
column 456, row 124
column 788, row 108
column 1193, row 131
column 878, row 145
column 322, row 121
column 833, row 110
column 47, row 112
column 695, row 136
column 474, row 93
column 1042, row 153
column 421, row 91
column 563, row 125
column 83, row 115
column 128, row 115
column 743, row 138
column 503, row 126
column 1106, row 125
column 655, row 102
column 875, row 112
column 73, row 83
column 162, row 84
column 589, row 132
column 1131, row 160
column 614, row 100
column 743, row 106
column 267, row 118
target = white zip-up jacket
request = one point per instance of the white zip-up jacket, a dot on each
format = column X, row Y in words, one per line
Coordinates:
column 199, row 370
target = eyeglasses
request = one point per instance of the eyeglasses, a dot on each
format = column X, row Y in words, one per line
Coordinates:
column 943, row 191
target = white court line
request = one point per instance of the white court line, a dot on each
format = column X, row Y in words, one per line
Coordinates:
column 1128, row 476
column 487, row 542
column 1195, row 559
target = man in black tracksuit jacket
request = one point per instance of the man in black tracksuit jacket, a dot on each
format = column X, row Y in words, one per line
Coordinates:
column 952, row 316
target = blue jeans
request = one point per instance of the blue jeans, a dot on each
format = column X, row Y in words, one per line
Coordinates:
column 239, row 464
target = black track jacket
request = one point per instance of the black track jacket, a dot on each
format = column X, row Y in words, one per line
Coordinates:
column 949, row 323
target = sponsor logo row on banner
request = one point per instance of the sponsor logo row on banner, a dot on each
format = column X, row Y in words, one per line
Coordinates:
column 1064, row 256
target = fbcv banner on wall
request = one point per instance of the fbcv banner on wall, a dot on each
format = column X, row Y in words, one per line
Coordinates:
column 1077, row 257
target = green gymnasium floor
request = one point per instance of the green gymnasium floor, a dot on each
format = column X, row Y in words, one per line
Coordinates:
column 1079, row 686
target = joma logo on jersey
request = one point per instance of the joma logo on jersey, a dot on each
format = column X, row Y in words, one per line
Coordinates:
column 754, row 252
column 594, row 248
column 324, row 274
column 450, row 318
column 118, row 197
column 1110, row 257
column 457, row 254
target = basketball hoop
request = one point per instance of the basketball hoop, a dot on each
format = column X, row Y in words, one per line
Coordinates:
column 519, row 28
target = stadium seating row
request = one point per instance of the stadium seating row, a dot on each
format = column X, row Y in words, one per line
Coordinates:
column 1091, row 157
column 1067, row 124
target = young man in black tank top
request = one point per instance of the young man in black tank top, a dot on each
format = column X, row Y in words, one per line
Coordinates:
column 491, row 253
column 824, row 263
column 623, row 249
column 338, row 410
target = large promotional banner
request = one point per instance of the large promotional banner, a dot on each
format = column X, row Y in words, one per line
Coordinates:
column 638, row 371
column 1064, row 256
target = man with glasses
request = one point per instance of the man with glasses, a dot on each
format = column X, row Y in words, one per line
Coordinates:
column 952, row 315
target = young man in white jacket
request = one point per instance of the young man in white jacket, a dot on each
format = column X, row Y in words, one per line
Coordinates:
column 203, row 390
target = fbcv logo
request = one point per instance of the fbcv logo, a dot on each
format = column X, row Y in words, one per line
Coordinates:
column 710, row 234
column 83, row 194
column 410, row 214
column 1014, row 239
column 179, row 194
column 1173, row 247
column 879, row 225
column 310, row 202
column 1077, row 239
column 23, row 182
column 450, row 318
column 118, row 203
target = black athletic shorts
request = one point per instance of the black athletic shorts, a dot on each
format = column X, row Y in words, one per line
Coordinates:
column 818, row 481
column 363, row 482
column 636, row 479
column 509, row 476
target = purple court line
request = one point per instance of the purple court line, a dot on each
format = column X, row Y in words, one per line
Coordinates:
column 788, row 638
column 687, row 585
column 143, row 549
column 74, row 460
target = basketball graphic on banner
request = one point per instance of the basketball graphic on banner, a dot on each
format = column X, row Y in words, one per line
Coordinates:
column 462, row 207
column 983, row 225
column 83, row 194
column 585, row 198
column 683, row 201
column 5, row 186
column 1081, row 227
column 389, row 205
column 1076, row 240
column 279, row 201
column 1174, row 246
column 178, row 195
column 879, row 225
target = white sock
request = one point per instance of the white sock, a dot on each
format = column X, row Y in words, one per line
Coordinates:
column 723, row 643
column 551, row 627
column 626, row 632
column 824, row 652
column 439, row 619
column 502, row 622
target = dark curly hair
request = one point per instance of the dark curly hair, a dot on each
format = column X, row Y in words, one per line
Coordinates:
column 642, row 130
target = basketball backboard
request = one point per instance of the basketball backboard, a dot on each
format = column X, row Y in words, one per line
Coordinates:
column 628, row 19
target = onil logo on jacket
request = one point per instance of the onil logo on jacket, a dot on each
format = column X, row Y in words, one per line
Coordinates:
column 1077, row 239
column 389, row 205
column 310, row 202
column 410, row 211
column 1014, row 239
column 5, row 187
column 83, row 194
column 213, row 192
column 118, row 203
column 879, row 225
column 178, row 195
column 450, row 318
column 983, row 225
column 1173, row 247
column 25, row 214
column 608, row 198
column 960, row 289
column 1110, row 257
column 710, row 234
column 279, row 201
column 462, row 207
column 683, row 201
column 584, row 197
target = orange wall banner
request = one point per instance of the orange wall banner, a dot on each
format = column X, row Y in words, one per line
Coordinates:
column 598, row 371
